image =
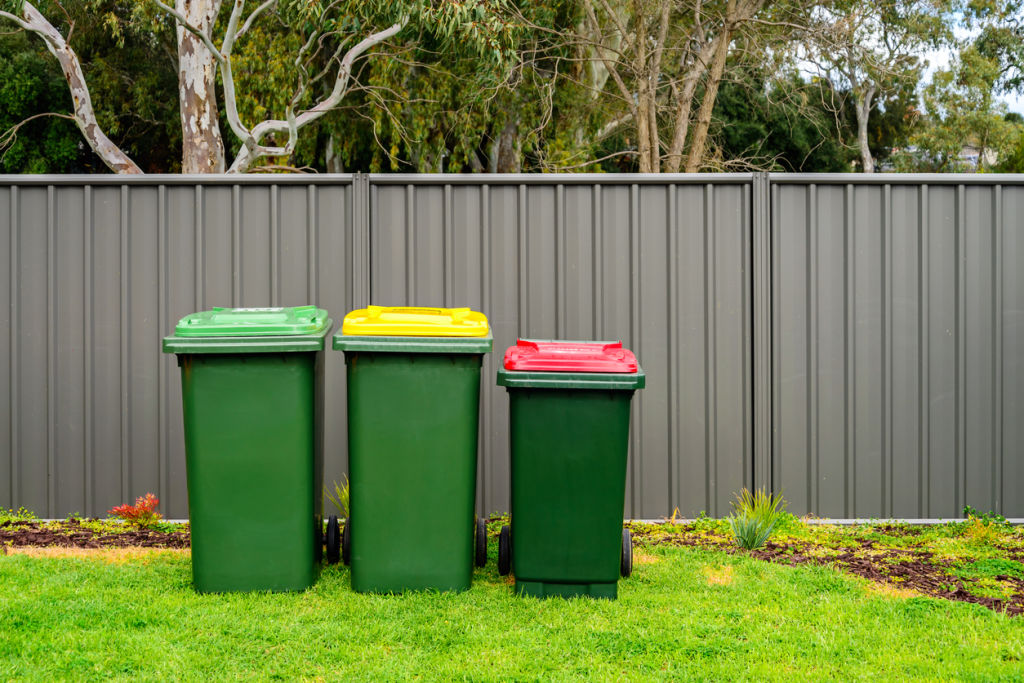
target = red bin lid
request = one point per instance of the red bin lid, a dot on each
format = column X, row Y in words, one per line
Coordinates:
column 569, row 356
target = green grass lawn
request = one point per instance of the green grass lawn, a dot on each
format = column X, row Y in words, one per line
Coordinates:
column 687, row 613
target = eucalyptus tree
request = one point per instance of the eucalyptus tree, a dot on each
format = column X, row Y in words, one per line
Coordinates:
column 654, row 67
column 872, row 49
column 334, row 36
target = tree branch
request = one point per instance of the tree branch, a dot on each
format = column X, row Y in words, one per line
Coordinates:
column 84, row 116
column 181, row 19
column 252, row 17
column 253, row 148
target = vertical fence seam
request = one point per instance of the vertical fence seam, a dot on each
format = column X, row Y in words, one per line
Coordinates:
column 998, row 497
column 125, row 379
column 162, row 313
column 199, row 248
column 634, row 335
column 15, row 328
column 849, row 301
column 961, row 331
column 88, row 226
column 51, row 351
column 813, row 493
column 924, row 376
column 275, row 245
column 887, row 340
column 486, row 488
column 236, row 245
column 672, row 369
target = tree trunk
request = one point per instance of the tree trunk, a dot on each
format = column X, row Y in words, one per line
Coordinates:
column 202, row 145
column 684, row 105
column 863, row 112
column 707, row 104
column 331, row 159
column 506, row 152
column 643, row 129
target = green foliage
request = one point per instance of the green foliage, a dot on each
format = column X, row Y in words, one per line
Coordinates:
column 30, row 84
column 989, row 567
column 755, row 516
column 780, row 125
column 479, row 85
column 961, row 107
column 129, row 62
column 988, row 518
column 1000, row 39
column 339, row 497
column 1012, row 160
column 19, row 515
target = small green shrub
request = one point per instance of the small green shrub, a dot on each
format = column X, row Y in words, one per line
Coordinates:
column 19, row 515
column 339, row 497
column 987, row 518
column 989, row 567
column 755, row 516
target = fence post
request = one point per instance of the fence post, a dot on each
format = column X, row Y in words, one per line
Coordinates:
column 359, row 254
column 762, row 310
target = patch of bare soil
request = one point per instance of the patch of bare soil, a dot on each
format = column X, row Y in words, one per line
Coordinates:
column 915, row 570
column 72, row 534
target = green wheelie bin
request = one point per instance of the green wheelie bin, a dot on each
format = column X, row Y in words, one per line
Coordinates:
column 413, row 411
column 252, row 383
column 569, row 408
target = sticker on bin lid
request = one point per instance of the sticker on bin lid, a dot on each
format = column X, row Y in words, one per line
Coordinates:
column 569, row 356
column 406, row 321
column 253, row 322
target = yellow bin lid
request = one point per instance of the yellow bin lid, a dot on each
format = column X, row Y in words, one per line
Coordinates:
column 405, row 321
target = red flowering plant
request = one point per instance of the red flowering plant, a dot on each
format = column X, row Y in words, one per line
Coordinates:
column 143, row 514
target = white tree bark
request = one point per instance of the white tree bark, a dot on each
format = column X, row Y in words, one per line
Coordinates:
column 84, row 115
column 202, row 144
column 863, row 108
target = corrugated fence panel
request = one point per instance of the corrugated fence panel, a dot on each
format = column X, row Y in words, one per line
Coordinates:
column 647, row 262
column 897, row 346
column 96, row 271
column 889, row 314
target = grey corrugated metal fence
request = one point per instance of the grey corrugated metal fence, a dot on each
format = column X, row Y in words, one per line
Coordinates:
column 855, row 342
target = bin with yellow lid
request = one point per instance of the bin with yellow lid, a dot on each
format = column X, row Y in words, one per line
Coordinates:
column 413, row 413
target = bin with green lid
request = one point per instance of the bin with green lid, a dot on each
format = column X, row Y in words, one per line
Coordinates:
column 569, row 406
column 413, row 411
column 252, row 382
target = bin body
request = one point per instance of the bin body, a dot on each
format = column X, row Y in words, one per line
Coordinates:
column 253, row 423
column 413, row 415
column 569, row 441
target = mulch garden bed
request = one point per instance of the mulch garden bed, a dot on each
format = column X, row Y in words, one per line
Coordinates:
column 915, row 570
column 73, row 534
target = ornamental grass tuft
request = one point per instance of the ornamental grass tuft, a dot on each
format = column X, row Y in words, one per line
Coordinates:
column 755, row 516
column 340, row 496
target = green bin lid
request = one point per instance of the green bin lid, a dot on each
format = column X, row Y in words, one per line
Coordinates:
column 611, row 381
column 250, row 330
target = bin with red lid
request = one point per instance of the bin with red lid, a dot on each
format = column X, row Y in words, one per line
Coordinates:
column 569, row 404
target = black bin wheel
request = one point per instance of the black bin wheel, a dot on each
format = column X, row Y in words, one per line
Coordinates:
column 332, row 539
column 481, row 543
column 346, row 542
column 505, row 551
column 626, row 566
